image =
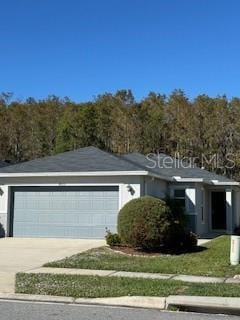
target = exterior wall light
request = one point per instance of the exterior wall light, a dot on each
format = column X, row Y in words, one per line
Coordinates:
column 130, row 189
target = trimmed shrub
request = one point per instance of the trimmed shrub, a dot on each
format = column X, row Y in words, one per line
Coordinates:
column 177, row 210
column 189, row 240
column 182, row 240
column 146, row 223
column 149, row 223
column 112, row 239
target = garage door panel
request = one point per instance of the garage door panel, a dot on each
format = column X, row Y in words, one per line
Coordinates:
column 63, row 232
column 65, row 212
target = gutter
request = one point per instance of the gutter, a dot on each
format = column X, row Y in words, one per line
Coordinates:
column 72, row 174
column 116, row 173
column 227, row 183
column 209, row 182
column 83, row 174
column 180, row 179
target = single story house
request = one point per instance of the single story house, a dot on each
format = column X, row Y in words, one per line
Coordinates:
column 78, row 194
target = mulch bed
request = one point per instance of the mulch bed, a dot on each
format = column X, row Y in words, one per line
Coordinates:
column 140, row 253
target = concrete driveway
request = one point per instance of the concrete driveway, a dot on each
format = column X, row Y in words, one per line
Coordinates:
column 21, row 254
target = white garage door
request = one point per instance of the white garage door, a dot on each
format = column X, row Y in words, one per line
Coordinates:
column 66, row 212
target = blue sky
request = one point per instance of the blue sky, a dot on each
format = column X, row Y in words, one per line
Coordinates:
column 79, row 48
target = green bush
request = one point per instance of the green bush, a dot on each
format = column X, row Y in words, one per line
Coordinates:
column 112, row 239
column 181, row 240
column 145, row 223
column 177, row 210
column 149, row 223
column 189, row 240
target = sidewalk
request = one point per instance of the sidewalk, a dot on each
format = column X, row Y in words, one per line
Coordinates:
column 114, row 273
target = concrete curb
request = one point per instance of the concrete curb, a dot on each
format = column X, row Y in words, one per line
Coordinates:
column 36, row 298
column 229, row 305
column 126, row 301
column 132, row 301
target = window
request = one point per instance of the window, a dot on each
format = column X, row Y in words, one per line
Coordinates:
column 179, row 196
column 179, row 193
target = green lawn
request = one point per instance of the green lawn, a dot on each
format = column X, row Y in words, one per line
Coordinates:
column 213, row 261
column 90, row 286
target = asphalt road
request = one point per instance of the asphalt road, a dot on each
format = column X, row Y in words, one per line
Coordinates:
column 11, row 310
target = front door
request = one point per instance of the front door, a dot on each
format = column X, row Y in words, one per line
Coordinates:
column 219, row 210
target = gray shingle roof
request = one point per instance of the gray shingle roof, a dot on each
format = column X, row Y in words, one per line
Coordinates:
column 91, row 159
column 172, row 167
column 85, row 159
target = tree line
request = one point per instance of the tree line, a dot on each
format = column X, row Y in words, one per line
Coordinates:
column 118, row 123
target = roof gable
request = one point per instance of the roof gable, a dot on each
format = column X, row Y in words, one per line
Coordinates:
column 170, row 167
column 89, row 159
